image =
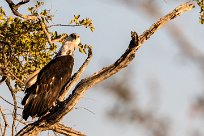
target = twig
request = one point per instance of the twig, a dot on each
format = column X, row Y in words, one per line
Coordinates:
column 15, row 105
column 5, row 122
column 9, row 102
column 85, row 109
column 6, row 63
column 55, row 133
column 63, row 25
column 162, row 21
column 63, row 36
column 62, row 129
column 21, row 121
column 21, row 3
column 19, row 80
column 1, row 129
column 46, row 32
column 51, row 42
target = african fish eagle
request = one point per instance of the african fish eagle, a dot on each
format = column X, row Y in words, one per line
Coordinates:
column 43, row 87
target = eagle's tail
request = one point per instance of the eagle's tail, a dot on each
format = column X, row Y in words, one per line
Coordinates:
column 27, row 101
column 26, row 110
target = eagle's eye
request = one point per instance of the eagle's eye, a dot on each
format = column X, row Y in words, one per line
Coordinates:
column 73, row 36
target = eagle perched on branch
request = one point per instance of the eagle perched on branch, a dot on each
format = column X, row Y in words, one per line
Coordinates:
column 44, row 86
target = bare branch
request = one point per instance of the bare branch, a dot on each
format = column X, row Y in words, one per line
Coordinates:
column 122, row 62
column 14, row 9
column 13, row 75
column 51, row 42
column 63, row 25
column 21, row 3
column 63, row 36
column 9, row 102
column 62, row 129
column 5, row 121
column 162, row 21
column 1, row 129
column 46, row 32
column 14, row 114
column 21, row 121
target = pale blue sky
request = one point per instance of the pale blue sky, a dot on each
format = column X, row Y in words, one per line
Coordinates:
column 159, row 58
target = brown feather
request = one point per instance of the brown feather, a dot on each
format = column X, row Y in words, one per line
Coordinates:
column 50, row 81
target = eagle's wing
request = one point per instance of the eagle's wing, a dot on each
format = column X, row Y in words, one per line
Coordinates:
column 31, row 79
column 50, row 81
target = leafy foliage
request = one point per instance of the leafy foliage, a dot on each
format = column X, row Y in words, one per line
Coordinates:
column 44, row 14
column 23, row 47
column 83, row 48
column 87, row 23
column 201, row 4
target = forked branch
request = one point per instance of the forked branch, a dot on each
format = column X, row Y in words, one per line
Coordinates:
column 14, row 8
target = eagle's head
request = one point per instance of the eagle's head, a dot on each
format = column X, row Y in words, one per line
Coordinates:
column 74, row 39
column 69, row 45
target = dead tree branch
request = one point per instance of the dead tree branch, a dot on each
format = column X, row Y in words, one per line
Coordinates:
column 64, row 107
column 62, row 129
column 63, row 36
column 14, row 114
column 63, row 25
column 14, row 8
column 5, row 122
column 14, row 76
column 9, row 102
column 21, row 121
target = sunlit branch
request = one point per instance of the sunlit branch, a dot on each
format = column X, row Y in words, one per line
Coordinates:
column 14, row 8
column 43, row 25
column 60, row 39
column 14, row 114
column 62, row 129
column 5, row 122
column 63, row 25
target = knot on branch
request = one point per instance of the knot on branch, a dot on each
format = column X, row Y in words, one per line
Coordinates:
column 134, row 41
column 134, row 35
